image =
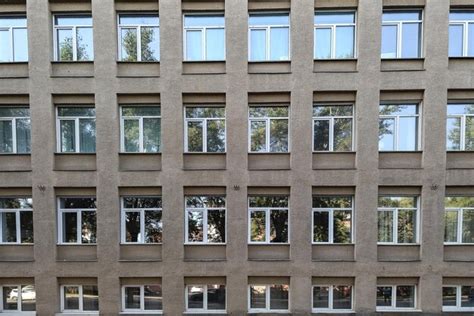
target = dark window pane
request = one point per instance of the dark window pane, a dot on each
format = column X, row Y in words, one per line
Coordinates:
column 216, row 297
column 342, row 134
column 87, row 135
column 78, row 203
column 279, row 297
column 453, row 133
column 132, row 298
column 320, row 297
column 406, row 226
column 23, row 135
column 279, row 226
column 321, row 135
column 131, row 137
column 332, row 201
column 470, row 131
column 450, row 226
column 205, row 201
column 258, row 136
column 342, row 226
column 8, row 220
column 71, row 297
column 195, row 297
column 342, row 297
column 384, row 296
column 153, row 297
column 268, row 201
column 195, row 136
column 10, row 298
column 151, row 135
column 385, row 226
column 153, row 227
column 141, row 202
column 26, row 222
column 70, row 227
column 321, row 227
column 195, row 226
column 90, row 295
column 89, row 227
column 216, row 136
column 467, row 296
column 405, row 296
column 468, row 226
column 257, row 296
column 449, row 296
column 28, row 298
column 216, row 226
column 257, row 226
column 141, row 111
column 132, row 227
column 397, row 201
column 6, row 136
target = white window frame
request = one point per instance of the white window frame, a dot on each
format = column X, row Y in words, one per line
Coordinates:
column 331, row 222
column 267, row 120
column 465, row 33
column 142, row 309
column 399, row 25
column 330, row 308
column 142, row 211
column 138, row 28
column 331, row 126
column 460, row 220
column 73, row 29
column 19, row 310
column 332, row 27
column 78, row 212
column 462, row 127
column 396, row 126
column 17, row 224
column 138, row 118
column 81, row 300
column 267, row 300
column 458, row 307
column 11, row 40
column 204, row 211
column 13, row 119
column 203, row 30
column 267, row 210
column 205, row 309
column 267, row 29
column 76, row 119
column 394, row 299
column 204, row 121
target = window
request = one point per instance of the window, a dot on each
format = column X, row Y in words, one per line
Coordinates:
column 13, row 39
column 16, row 221
column 460, row 127
column 269, row 37
column 269, row 298
column 398, row 220
column 334, row 35
column 73, row 40
column 459, row 220
column 333, row 128
column 204, row 37
column 17, row 298
column 139, row 37
column 461, row 33
column 396, row 297
column 402, row 34
column 136, row 298
column 268, row 129
column 399, row 128
column 142, row 220
column 268, row 219
column 79, row 298
column 332, row 219
column 140, row 129
column 458, row 298
column 205, row 219
column 205, row 129
column 15, row 130
column 334, row 298
column 205, row 298
column 77, row 220
column 76, row 129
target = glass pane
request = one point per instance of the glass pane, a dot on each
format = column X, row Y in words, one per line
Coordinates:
column 386, row 134
column 269, row 111
column 469, row 142
column 342, row 226
column 470, row 40
column 407, row 133
column 449, row 296
column 141, row 111
column 343, row 134
column 89, row 227
column 468, row 226
column 131, row 131
column 194, row 45
column 332, row 201
column 453, row 133
column 87, row 135
column 216, row 297
column 269, row 201
column 203, row 20
column 65, row 45
column 257, row 226
column 257, row 296
column 321, row 227
column 6, row 111
column 321, row 135
column 85, row 43
column 258, row 136
column 76, row 111
column 342, row 297
column 321, row 297
column 455, row 201
column 322, row 43
column 150, row 43
column 389, row 41
column 258, row 40
column 128, row 44
column 69, row 20
column 10, row 298
column 216, row 136
column 20, row 44
column 467, row 296
column 205, row 112
column 151, row 135
column 279, row 136
column 398, row 109
column 215, row 44
column 273, row 19
column 90, row 298
column 195, row 136
column 406, row 226
column 334, row 17
column 69, row 203
column 451, row 226
column 195, row 297
column 401, row 15
column 132, row 298
column 70, row 227
column 195, row 226
column 71, row 297
column 411, row 36
column 153, row 227
column 216, row 225
column 6, row 137
column 279, row 297
column 205, row 201
column 142, row 202
column 68, row 137
column 153, row 297
column 135, row 19
column 385, row 226
column 398, row 201
column 132, row 227
column 336, row 110
column 279, row 41
column 405, row 296
column 384, row 296
column 23, row 136
column 460, row 109
column 5, row 47
column 457, row 15
column 28, row 298
column 455, row 40
column 345, row 42
column 26, row 227
column 8, row 226
column 279, row 226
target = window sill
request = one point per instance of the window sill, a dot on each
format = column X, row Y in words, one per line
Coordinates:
column 332, row 311
column 202, row 61
column 72, row 154
column 397, row 244
column 72, row 62
column 400, row 151
column 15, row 154
column 205, row 312
column 269, row 67
column 402, row 59
column 269, row 312
column 137, row 62
column 461, row 57
column 76, row 244
column 204, row 244
column 78, row 313
column 458, row 310
column 17, row 313
column 13, row 63
column 197, row 153
column 140, row 312
column 334, row 152
column 140, row 244
column 268, row 153
column 138, row 153
column 397, row 310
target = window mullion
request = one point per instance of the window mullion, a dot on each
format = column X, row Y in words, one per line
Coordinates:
column 81, row 297
column 267, row 134
column 268, row 42
column 460, row 223
column 74, row 43
column 203, row 43
column 77, row 148
column 333, row 41
column 204, row 303
column 142, row 297
column 267, row 225
column 12, row 50
column 140, row 134
column 399, row 40
column 462, row 133
column 142, row 226
column 267, row 297
column 204, row 224
column 204, row 135
column 394, row 296
column 79, row 225
column 395, row 138
column 14, row 149
column 395, row 226
column 331, row 134
column 1, row 241
column 18, row 227
column 331, row 225
column 465, row 42
column 458, row 296
column 139, row 43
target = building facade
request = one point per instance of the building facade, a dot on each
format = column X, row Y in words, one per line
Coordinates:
column 236, row 157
